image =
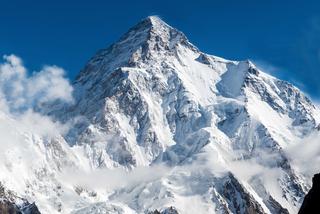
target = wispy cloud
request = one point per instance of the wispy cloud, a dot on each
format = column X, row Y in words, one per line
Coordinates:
column 110, row 179
column 267, row 67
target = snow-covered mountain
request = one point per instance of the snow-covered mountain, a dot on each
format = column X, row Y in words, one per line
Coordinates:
column 159, row 126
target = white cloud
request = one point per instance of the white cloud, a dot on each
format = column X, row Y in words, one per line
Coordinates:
column 51, row 84
column 111, row 179
column 19, row 91
column 305, row 155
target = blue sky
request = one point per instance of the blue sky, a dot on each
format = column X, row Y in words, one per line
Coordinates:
column 281, row 36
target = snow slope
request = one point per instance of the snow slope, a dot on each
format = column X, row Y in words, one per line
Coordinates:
column 158, row 123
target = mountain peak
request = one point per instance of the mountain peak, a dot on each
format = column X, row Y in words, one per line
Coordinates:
column 149, row 37
column 149, row 24
column 153, row 28
column 155, row 20
column 153, row 98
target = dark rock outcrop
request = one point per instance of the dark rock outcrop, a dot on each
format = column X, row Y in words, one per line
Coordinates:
column 169, row 210
column 239, row 200
column 30, row 209
column 275, row 207
column 8, row 205
column 311, row 203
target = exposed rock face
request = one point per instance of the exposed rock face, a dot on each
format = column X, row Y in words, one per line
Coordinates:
column 311, row 201
column 240, row 201
column 30, row 209
column 9, row 206
column 275, row 207
column 169, row 210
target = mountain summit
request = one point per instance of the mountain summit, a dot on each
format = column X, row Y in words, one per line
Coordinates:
column 148, row 37
column 218, row 128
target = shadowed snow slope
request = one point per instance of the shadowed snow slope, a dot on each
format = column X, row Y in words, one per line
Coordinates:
column 157, row 124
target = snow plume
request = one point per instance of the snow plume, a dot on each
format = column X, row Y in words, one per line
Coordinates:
column 20, row 92
column 267, row 67
column 305, row 155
